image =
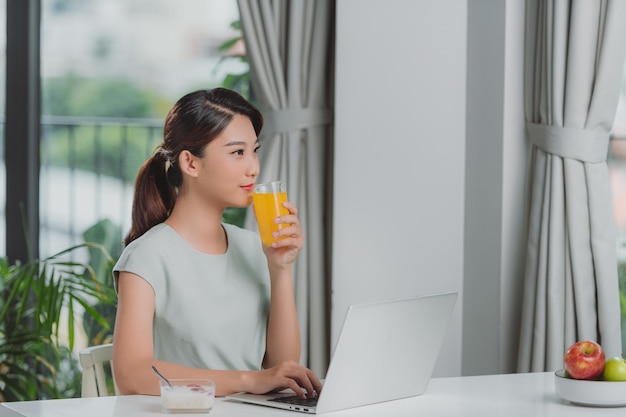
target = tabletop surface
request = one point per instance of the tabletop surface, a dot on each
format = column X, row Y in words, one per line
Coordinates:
column 528, row 394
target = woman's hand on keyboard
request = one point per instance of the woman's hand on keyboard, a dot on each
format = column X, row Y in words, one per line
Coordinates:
column 288, row 374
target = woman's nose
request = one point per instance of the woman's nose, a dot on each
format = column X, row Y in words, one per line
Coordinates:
column 253, row 167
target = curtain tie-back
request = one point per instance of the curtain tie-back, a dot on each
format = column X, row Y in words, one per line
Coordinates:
column 580, row 144
column 287, row 120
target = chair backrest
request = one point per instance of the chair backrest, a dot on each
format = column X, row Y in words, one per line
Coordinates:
column 92, row 361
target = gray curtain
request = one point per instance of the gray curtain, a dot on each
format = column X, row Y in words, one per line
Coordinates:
column 575, row 54
column 290, row 45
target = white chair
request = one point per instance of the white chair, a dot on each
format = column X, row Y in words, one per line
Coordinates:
column 92, row 360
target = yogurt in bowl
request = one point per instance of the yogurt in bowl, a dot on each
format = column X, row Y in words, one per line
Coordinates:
column 187, row 395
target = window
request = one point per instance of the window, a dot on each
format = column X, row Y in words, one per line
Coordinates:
column 3, row 31
column 110, row 71
column 617, row 172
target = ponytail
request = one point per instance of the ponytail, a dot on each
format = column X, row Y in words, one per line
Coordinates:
column 155, row 194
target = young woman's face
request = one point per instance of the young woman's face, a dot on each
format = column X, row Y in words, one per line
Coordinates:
column 230, row 165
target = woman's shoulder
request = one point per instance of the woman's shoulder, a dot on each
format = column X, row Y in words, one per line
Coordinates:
column 144, row 256
column 154, row 241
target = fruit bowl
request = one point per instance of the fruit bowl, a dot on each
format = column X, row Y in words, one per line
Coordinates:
column 593, row 393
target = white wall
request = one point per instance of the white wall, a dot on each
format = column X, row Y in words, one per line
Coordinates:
column 494, row 189
column 400, row 155
column 514, row 185
column 483, row 186
column 429, row 107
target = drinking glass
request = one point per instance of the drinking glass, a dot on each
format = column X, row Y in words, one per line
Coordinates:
column 268, row 199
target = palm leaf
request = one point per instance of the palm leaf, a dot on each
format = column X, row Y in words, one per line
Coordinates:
column 34, row 296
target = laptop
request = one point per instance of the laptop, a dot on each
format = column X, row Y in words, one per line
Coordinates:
column 386, row 351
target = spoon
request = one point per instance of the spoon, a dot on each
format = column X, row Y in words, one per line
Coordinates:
column 160, row 375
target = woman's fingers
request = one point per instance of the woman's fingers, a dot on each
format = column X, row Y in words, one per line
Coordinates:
column 290, row 237
column 292, row 209
column 292, row 375
column 301, row 379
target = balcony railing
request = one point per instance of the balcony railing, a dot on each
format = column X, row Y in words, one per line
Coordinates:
column 88, row 169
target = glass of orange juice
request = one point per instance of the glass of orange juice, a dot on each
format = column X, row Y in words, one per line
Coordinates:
column 268, row 199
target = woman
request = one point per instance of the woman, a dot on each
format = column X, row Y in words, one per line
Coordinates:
column 198, row 298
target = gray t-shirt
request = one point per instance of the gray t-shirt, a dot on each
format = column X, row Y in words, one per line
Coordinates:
column 211, row 310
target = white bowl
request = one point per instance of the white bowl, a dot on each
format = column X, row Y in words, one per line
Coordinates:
column 590, row 392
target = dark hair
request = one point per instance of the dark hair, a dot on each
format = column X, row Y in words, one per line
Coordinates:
column 192, row 123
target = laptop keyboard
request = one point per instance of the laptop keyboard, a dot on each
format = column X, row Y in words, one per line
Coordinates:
column 295, row 400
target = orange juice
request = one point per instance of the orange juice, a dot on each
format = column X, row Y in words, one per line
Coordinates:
column 268, row 206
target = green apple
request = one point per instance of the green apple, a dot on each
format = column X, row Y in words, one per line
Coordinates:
column 615, row 369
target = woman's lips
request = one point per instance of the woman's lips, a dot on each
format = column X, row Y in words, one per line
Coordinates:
column 248, row 187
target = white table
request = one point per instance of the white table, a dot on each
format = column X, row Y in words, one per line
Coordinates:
column 523, row 395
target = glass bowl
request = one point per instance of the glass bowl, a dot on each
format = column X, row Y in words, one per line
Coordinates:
column 187, row 395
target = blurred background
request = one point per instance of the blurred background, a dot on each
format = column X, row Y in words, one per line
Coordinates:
column 110, row 71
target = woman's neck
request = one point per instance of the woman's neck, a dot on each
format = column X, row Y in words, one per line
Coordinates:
column 199, row 225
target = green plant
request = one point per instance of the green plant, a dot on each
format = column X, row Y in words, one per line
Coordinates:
column 239, row 82
column 109, row 235
column 42, row 299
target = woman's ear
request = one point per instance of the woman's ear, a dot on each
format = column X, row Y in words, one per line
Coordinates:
column 187, row 162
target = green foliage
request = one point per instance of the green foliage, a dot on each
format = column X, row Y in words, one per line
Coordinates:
column 239, row 82
column 36, row 361
column 234, row 215
column 71, row 95
column 109, row 235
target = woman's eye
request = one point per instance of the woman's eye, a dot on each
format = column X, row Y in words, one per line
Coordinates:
column 238, row 152
column 256, row 150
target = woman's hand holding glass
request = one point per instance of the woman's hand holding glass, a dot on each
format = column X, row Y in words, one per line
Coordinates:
column 288, row 239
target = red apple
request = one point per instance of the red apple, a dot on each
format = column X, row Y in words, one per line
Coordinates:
column 584, row 360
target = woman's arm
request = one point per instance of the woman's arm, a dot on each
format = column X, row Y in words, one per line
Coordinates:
column 133, row 349
column 283, row 332
column 133, row 353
